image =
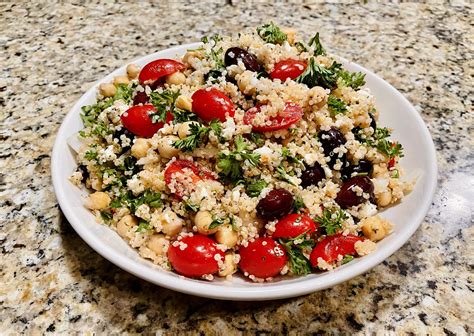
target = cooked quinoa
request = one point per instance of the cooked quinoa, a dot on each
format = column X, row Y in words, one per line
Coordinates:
column 240, row 162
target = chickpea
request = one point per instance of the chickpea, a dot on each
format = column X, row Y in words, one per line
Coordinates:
column 375, row 228
column 184, row 102
column 290, row 35
column 227, row 236
column 98, row 201
column 107, row 89
column 172, row 225
column 125, row 224
column 202, row 220
column 384, row 198
column 184, row 128
column 140, row 148
column 158, row 244
column 165, row 146
column 229, row 266
column 190, row 54
column 176, row 78
column 132, row 71
column 121, row 80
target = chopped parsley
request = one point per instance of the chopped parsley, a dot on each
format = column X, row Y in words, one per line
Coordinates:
column 91, row 155
column 298, row 204
column 230, row 164
column 254, row 187
column 315, row 43
column 283, row 175
column 331, row 220
column 353, row 79
column 164, row 102
column 271, row 33
column 190, row 207
column 143, row 225
column 216, row 222
column 347, row 258
column 198, row 134
column 336, row 105
column 386, row 147
column 181, row 116
column 149, row 197
column 106, row 216
column 317, row 75
column 299, row 263
column 286, row 155
column 257, row 138
column 216, row 56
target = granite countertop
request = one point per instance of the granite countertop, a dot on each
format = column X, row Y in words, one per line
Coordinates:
column 52, row 282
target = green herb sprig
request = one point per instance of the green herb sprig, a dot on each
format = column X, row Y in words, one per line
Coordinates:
column 331, row 220
column 230, row 164
column 198, row 134
column 336, row 105
column 317, row 75
column 299, row 264
column 271, row 33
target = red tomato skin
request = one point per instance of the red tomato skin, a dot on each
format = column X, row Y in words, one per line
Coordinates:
column 293, row 225
column 330, row 247
column 197, row 259
column 262, row 260
column 137, row 120
column 158, row 69
column 211, row 104
column 288, row 69
column 178, row 165
column 290, row 115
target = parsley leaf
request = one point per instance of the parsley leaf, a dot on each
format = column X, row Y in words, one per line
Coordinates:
column 198, row 133
column 299, row 264
column 298, row 204
column 253, row 188
column 347, row 258
column 181, row 116
column 216, row 221
column 283, row 175
column 331, row 220
column 164, row 104
column 257, row 138
column 384, row 146
column 91, row 155
column 271, row 33
column 143, row 225
column 353, row 79
column 315, row 43
column 106, row 216
column 230, row 164
column 317, row 75
column 286, row 155
column 336, row 105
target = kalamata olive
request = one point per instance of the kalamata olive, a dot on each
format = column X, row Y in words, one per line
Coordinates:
column 212, row 75
column 140, row 98
column 362, row 167
column 129, row 135
column 276, row 204
column 373, row 123
column 312, row 175
column 84, row 172
column 232, row 55
column 330, row 140
column 348, row 197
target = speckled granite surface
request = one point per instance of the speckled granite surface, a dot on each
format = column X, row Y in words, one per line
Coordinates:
column 52, row 282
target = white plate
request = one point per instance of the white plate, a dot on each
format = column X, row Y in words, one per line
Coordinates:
column 395, row 112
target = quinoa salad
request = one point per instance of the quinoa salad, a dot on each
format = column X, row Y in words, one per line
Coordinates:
column 256, row 154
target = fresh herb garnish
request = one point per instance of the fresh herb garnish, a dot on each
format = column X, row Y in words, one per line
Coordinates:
column 149, row 197
column 347, row 258
column 271, row 33
column 286, row 155
column 143, row 225
column 215, row 55
column 283, row 175
column 253, row 188
column 257, row 138
column 164, row 103
column 191, row 207
column 299, row 264
column 384, row 146
column 300, row 46
column 315, row 43
column 298, row 204
column 91, row 155
column 331, row 220
column 336, row 105
column 106, row 216
column 216, row 221
column 317, row 75
column 198, row 134
column 230, row 164
column 353, row 79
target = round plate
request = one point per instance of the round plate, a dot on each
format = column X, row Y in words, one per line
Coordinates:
column 395, row 112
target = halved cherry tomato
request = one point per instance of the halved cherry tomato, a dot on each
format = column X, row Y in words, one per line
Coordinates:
column 211, row 104
column 288, row 69
column 197, row 258
column 293, row 225
column 137, row 120
column 159, row 69
column 291, row 114
column 263, row 258
column 332, row 246
column 176, row 168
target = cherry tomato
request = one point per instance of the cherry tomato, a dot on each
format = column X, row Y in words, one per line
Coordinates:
column 293, row 225
column 137, row 120
column 288, row 69
column 291, row 114
column 197, row 258
column 263, row 258
column 176, row 168
column 211, row 104
column 159, row 69
column 332, row 246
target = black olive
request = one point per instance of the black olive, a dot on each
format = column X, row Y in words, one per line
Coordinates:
column 278, row 203
column 129, row 135
column 312, row 175
column 347, row 197
column 362, row 167
column 232, row 55
column 212, row 75
column 373, row 123
column 84, row 172
column 330, row 140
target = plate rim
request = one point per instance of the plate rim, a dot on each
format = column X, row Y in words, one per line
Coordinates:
column 279, row 290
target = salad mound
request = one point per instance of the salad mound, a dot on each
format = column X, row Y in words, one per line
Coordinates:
column 255, row 153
